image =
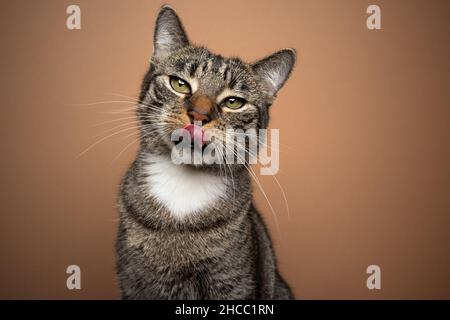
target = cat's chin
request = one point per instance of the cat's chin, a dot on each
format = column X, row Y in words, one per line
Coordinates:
column 203, row 167
column 216, row 169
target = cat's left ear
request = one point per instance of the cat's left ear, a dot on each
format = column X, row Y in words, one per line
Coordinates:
column 169, row 33
column 275, row 69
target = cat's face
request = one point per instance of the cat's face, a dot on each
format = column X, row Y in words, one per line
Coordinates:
column 187, row 84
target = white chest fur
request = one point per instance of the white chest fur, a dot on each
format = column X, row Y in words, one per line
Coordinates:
column 181, row 189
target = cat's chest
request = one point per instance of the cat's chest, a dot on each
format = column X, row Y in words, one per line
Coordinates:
column 182, row 190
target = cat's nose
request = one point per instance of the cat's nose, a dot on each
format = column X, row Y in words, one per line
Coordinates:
column 200, row 108
column 197, row 116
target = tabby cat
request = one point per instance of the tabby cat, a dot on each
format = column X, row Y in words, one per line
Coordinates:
column 191, row 231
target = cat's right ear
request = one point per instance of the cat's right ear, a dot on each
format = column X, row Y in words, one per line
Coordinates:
column 275, row 69
column 169, row 33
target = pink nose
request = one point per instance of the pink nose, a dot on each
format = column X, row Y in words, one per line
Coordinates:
column 197, row 134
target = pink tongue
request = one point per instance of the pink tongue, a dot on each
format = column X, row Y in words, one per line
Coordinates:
column 196, row 133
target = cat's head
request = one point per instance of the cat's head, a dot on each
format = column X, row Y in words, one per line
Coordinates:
column 188, row 84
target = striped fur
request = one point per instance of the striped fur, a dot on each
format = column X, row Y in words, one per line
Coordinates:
column 217, row 247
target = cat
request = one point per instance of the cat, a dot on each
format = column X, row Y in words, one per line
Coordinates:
column 190, row 231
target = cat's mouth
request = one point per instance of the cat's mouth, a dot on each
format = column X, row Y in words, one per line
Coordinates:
column 195, row 136
column 196, row 133
column 192, row 145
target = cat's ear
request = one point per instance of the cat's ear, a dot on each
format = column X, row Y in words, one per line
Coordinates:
column 275, row 69
column 169, row 33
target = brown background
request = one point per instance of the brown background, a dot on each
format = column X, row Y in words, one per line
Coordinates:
column 365, row 129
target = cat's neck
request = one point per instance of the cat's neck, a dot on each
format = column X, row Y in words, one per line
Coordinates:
column 182, row 189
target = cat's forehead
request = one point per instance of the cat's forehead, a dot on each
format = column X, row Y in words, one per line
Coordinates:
column 212, row 70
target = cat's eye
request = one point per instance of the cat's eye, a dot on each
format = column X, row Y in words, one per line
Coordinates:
column 234, row 102
column 180, row 85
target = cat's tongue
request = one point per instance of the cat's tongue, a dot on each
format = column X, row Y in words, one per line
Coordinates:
column 196, row 132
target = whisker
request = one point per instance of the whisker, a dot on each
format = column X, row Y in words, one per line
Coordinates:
column 124, row 96
column 279, row 186
column 104, row 138
column 114, row 120
column 147, row 134
column 130, row 123
column 221, row 154
column 100, row 103
column 255, row 178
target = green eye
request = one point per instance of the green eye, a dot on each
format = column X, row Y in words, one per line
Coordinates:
column 234, row 102
column 179, row 85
